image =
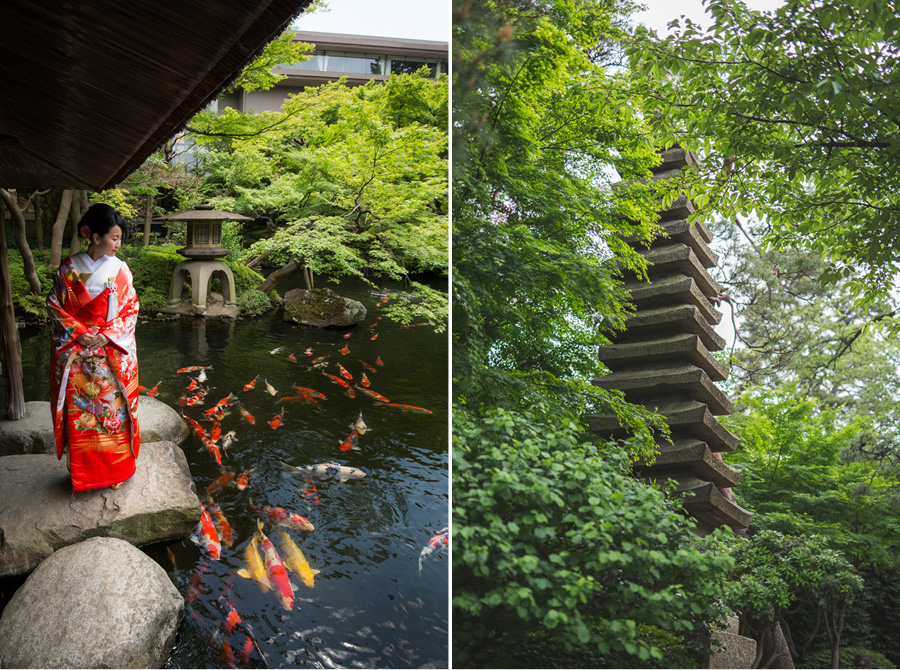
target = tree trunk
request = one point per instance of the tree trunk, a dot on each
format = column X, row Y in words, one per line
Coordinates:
column 308, row 276
column 148, row 216
column 9, row 337
column 75, row 215
column 259, row 259
column 836, row 641
column 59, row 227
column 39, row 221
column 18, row 226
column 272, row 280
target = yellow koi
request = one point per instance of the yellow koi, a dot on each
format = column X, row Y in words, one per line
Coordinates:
column 257, row 570
column 296, row 562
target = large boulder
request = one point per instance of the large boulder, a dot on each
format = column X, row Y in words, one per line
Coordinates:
column 34, row 433
column 40, row 514
column 321, row 307
column 100, row 603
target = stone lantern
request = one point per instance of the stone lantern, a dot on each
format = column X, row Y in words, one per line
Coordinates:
column 204, row 250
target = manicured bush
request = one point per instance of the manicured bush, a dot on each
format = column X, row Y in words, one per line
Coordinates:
column 822, row 658
column 253, row 303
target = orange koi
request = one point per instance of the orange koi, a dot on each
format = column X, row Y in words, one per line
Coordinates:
column 276, row 422
column 194, row 368
column 276, row 571
column 212, row 448
column 410, row 408
column 246, row 416
column 350, row 442
column 368, row 367
column 345, row 350
column 292, row 358
column 221, row 482
column 216, row 431
column 220, row 522
column 193, row 589
column 373, row 325
column 207, row 535
column 364, row 380
column 279, row 516
column 243, row 479
column 384, row 298
column 346, row 335
column 350, row 392
column 319, row 359
column 372, row 394
column 309, row 392
column 374, row 337
column 197, row 428
column 249, row 385
column 182, row 400
column 337, row 380
column 141, row 388
column 379, row 362
column 236, row 628
column 302, row 397
column 346, row 375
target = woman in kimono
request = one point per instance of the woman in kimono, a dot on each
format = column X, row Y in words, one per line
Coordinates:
column 94, row 373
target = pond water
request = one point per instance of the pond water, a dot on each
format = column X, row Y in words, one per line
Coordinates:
column 369, row 606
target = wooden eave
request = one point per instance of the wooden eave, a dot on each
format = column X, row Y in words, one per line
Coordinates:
column 91, row 89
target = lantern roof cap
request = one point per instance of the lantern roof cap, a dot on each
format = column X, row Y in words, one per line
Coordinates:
column 205, row 213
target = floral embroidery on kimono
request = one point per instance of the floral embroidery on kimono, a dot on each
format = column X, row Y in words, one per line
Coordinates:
column 93, row 393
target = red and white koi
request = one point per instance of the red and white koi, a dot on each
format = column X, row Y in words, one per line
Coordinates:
column 440, row 540
column 154, row 391
column 276, row 422
column 276, row 571
column 226, row 535
column 337, row 380
column 364, row 380
column 343, row 372
column 212, row 448
column 249, row 385
column 206, row 534
column 345, row 350
column 308, row 351
column 279, row 516
column 374, row 337
column 379, row 362
column 194, row 368
column 224, row 480
column 302, row 390
column 351, row 442
column 247, row 416
column 368, row 367
column 410, row 408
column 346, row 335
column 243, row 479
column 372, row 394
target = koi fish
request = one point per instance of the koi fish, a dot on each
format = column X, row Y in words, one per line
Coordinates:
column 343, row 372
column 337, row 380
column 194, row 385
column 247, row 416
column 364, row 380
column 202, row 376
column 413, row 325
column 276, row 571
column 384, row 298
column 346, row 335
column 373, row 325
column 206, row 534
column 276, row 422
column 194, row 368
column 228, row 439
column 372, row 394
column 225, row 402
column 257, row 569
column 292, row 358
column 350, row 442
column 410, row 408
column 154, row 391
column 308, row 351
column 220, row 522
column 243, row 479
column 224, row 480
column 310, row 392
column 279, row 516
column 196, row 427
column 325, row 471
column 240, row 631
column 298, row 398
column 345, row 350
column 276, row 350
column 319, row 359
column 216, row 431
column 311, row 493
column 193, row 588
column 196, row 399
column 249, row 385
column 212, row 448
column 379, row 362
column 374, row 337
column 171, row 555
column 440, row 540
column 182, row 400
column 368, row 367
column 350, row 392
column 270, row 389
column 359, row 425
column 296, row 562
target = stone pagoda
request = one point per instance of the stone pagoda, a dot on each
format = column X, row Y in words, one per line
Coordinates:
column 204, row 252
column 662, row 361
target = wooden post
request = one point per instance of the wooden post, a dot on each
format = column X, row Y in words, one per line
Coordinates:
column 148, row 217
column 10, row 350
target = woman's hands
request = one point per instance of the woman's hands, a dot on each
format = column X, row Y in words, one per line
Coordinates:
column 93, row 341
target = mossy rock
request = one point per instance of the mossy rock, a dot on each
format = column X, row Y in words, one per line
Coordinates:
column 321, row 307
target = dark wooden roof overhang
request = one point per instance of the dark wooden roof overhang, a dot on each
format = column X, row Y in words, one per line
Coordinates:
column 90, row 88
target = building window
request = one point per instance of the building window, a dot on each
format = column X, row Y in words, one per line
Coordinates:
column 408, row 66
column 216, row 234
column 201, row 233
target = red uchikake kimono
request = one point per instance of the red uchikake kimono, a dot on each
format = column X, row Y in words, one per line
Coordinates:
column 94, row 394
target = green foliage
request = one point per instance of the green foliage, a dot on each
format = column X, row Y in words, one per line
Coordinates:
column 152, row 300
column 253, row 303
column 26, row 304
column 552, row 533
column 795, row 112
column 822, row 659
column 280, row 52
column 118, row 198
column 802, row 474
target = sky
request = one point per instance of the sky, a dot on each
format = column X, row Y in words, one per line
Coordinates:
column 660, row 12
column 412, row 19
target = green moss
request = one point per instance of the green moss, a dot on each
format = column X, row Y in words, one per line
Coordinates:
column 822, row 658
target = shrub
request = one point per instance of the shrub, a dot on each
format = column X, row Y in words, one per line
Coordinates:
column 26, row 304
column 152, row 301
column 253, row 303
column 822, row 659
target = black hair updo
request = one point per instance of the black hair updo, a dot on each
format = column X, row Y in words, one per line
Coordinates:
column 100, row 219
